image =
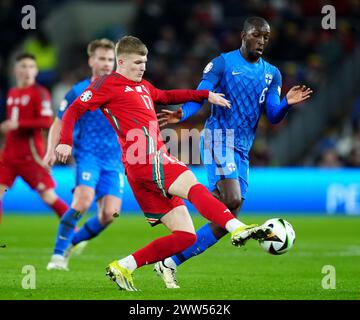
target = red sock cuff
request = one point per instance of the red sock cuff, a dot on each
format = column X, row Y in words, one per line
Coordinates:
column 60, row 207
column 164, row 247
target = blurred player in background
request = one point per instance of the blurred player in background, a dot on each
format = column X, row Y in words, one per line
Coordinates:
column 158, row 180
column 251, row 83
column 28, row 111
column 99, row 171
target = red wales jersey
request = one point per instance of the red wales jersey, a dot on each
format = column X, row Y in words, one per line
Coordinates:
column 129, row 106
column 31, row 108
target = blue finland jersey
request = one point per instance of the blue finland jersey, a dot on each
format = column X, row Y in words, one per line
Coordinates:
column 246, row 86
column 93, row 133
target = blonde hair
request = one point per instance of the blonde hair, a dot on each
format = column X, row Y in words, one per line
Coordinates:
column 130, row 44
column 99, row 43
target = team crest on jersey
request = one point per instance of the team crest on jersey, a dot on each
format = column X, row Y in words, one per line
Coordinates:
column 86, row 96
column 208, row 67
column 268, row 78
column 10, row 101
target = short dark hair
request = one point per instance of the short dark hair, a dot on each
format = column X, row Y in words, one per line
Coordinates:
column 254, row 22
column 24, row 55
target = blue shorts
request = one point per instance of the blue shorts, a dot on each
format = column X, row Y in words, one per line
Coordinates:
column 223, row 162
column 91, row 172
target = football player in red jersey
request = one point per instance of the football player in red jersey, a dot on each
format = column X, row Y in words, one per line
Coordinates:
column 28, row 111
column 159, row 181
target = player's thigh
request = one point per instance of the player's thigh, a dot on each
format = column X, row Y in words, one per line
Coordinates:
column 7, row 176
column 83, row 197
column 182, row 185
column 153, row 202
column 242, row 164
column 87, row 172
column 178, row 219
column 110, row 182
column 177, row 178
column 219, row 161
column 36, row 176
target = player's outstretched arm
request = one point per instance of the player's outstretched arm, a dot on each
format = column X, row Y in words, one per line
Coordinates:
column 166, row 116
column 52, row 142
column 298, row 94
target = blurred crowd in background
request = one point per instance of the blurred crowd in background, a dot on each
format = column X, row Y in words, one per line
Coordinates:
column 183, row 36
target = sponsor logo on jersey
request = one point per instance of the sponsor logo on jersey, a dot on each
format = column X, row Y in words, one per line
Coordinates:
column 208, row 67
column 235, row 73
column 86, row 96
column 128, row 89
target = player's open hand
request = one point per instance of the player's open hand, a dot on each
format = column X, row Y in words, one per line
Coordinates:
column 298, row 94
column 8, row 125
column 49, row 159
column 167, row 116
column 63, row 152
column 218, row 99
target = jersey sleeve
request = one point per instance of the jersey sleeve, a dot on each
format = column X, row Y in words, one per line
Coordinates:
column 276, row 110
column 166, row 97
column 214, row 71
column 42, row 111
column 69, row 98
column 276, row 83
column 96, row 95
column 212, row 75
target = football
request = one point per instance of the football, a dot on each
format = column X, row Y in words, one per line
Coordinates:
column 282, row 237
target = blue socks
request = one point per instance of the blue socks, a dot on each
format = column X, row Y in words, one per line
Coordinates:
column 205, row 239
column 89, row 230
column 66, row 230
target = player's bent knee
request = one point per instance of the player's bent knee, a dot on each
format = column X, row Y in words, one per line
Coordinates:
column 81, row 205
column 49, row 196
column 106, row 217
column 233, row 203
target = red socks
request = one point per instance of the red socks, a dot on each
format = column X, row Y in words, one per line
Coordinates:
column 164, row 247
column 60, row 207
column 208, row 206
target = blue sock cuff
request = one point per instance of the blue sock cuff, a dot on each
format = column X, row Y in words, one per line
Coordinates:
column 94, row 224
column 71, row 217
column 89, row 230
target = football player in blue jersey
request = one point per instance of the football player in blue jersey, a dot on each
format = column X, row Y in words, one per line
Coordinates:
column 99, row 173
column 251, row 84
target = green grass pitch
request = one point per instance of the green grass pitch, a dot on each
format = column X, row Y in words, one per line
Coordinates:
column 223, row 272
